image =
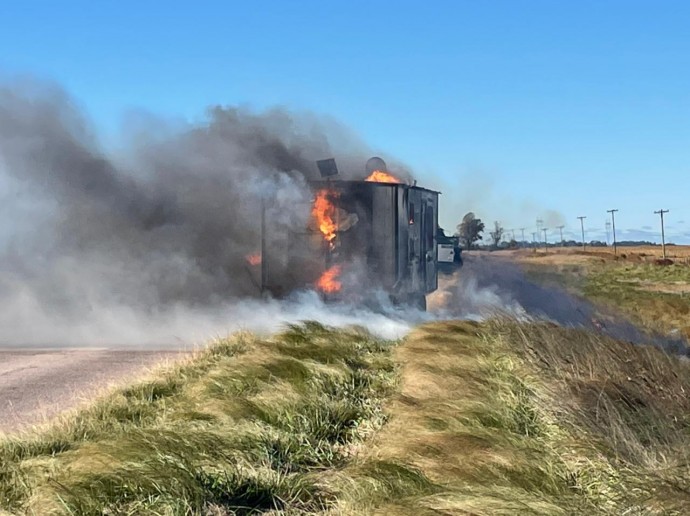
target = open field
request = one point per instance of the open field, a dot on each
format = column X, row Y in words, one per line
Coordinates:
column 459, row 418
column 641, row 251
column 567, row 255
column 652, row 295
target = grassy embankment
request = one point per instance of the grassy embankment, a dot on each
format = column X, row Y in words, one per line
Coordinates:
column 654, row 296
column 460, row 418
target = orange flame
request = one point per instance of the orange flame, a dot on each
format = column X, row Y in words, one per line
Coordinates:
column 324, row 213
column 328, row 282
column 378, row 176
column 254, row 258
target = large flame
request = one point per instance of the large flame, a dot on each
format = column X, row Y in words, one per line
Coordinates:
column 324, row 213
column 328, row 282
column 378, row 176
column 254, row 258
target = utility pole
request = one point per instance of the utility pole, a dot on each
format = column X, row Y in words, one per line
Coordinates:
column 582, row 226
column 534, row 239
column 663, row 240
column 560, row 228
column 546, row 242
column 523, row 235
column 613, row 224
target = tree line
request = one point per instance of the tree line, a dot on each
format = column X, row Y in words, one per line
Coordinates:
column 470, row 230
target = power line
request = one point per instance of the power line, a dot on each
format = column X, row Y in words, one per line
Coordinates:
column 523, row 235
column 546, row 242
column 613, row 223
column 582, row 226
column 663, row 241
column 560, row 228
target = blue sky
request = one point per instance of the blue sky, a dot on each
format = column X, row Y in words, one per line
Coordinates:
column 515, row 109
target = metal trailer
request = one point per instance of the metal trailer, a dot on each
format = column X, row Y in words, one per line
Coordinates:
column 386, row 241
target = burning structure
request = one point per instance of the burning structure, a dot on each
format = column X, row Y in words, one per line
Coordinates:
column 378, row 234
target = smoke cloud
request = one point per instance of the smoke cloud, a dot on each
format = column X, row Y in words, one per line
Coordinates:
column 149, row 247
column 101, row 249
column 478, row 190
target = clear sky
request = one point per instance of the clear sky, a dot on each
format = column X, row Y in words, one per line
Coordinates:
column 512, row 108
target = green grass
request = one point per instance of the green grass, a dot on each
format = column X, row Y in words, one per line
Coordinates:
column 642, row 292
column 459, row 418
column 508, row 418
column 638, row 291
column 244, row 427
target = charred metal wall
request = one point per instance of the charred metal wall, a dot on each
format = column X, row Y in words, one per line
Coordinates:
column 386, row 239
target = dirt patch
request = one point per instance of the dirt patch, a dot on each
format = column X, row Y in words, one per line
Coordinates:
column 663, row 261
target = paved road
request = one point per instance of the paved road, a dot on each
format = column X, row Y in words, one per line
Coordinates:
column 38, row 384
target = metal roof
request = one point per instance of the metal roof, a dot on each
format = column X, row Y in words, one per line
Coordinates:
column 336, row 182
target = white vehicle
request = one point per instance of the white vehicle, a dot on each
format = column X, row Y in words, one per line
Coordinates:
column 446, row 253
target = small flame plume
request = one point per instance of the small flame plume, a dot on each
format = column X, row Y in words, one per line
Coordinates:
column 378, row 176
column 324, row 213
column 254, row 258
column 328, row 282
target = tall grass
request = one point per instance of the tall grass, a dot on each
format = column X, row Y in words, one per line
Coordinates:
column 242, row 428
column 509, row 418
column 461, row 418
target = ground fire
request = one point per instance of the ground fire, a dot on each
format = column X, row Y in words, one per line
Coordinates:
column 328, row 282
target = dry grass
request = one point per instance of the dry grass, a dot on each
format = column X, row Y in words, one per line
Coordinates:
column 462, row 418
column 533, row 419
column 652, row 295
column 576, row 256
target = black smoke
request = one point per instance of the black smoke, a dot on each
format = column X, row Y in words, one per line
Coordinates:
column 165, row 223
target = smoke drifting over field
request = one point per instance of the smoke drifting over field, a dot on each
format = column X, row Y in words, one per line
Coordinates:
column 90, row 242
column 150, row 248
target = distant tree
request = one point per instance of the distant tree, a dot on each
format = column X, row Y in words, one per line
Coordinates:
column 497, row 233
column 470, row 230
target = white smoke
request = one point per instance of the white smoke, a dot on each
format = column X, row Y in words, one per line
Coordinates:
column 182, row 326
column 149, row 249
column 478, row 303
column 460, row 296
